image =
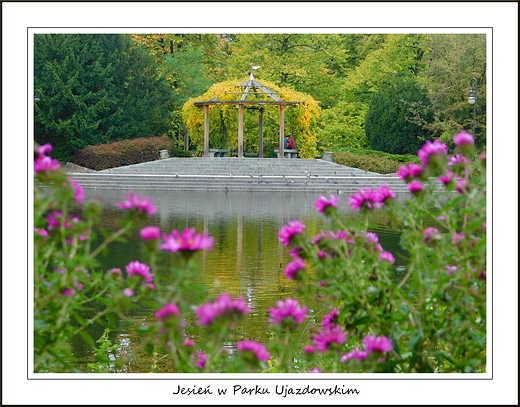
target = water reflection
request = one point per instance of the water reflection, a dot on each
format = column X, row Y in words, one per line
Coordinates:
column 247, row 258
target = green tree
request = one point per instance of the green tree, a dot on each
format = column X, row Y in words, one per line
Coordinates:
column 378, row 59
column 93, row 88
column 398, row 118
column 73, row 80
column 144, row 98
column 307, row 63
column 453, row 60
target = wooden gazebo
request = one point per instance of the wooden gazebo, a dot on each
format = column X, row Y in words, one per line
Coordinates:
column 251, row 92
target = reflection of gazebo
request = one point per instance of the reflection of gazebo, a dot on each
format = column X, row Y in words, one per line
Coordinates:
column 252, row 89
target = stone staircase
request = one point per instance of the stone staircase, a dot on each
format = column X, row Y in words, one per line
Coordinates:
column 238, row 175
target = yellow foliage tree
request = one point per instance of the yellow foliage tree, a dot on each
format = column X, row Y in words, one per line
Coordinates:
column 300, row 119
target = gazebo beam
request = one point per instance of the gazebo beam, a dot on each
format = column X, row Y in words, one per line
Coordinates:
column 282, row 130
column 245, row 102
column 206, row 130
column 261, row 133
column 240, row 131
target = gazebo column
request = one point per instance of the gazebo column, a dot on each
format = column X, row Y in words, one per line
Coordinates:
column 282, row 130
column 261, row 133
column 240, row 131
column 206, row 130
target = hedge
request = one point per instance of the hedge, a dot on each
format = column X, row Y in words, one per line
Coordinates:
column 374, row 163
column 121, row 153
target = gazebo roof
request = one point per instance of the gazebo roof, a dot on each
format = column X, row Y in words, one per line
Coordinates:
column 251, row 87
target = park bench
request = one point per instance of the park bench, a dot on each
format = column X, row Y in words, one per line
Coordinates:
column 218, row 152
column 287, row 153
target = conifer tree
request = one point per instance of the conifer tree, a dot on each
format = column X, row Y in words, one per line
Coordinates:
column 94, row 88
column 398, row 118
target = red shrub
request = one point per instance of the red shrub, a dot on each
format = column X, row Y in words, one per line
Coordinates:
column 121, row 153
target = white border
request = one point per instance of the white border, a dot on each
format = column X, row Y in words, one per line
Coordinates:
column 466, row 16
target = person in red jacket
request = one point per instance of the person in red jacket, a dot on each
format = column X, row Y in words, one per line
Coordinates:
column 290, row 145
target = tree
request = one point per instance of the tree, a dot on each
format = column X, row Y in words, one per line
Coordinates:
column 73, row 80
column 376, row 60
column 453, row 60
column 308, row 63
column 94, row 88
column 398, row 118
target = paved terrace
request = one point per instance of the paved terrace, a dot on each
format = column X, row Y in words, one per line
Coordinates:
column 239, row 175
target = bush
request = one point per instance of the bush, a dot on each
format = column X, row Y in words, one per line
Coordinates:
column 373, row 161
column 121, row 153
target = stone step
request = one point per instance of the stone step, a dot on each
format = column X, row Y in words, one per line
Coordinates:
column 236, row 175
column 236, row 183
column 238, row 167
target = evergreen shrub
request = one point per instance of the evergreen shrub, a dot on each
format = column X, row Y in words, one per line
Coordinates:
column 382, row 163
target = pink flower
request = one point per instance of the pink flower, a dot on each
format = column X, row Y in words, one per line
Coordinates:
column 142, row 204
column 386, row 256
column 462, row 186
column 377, row 343
column 330, row 319
column 167, row 310
column 309, row 349
column 446, row 178
column 41, row 232
column 456, row 159
column 431, row 150
column 371, row 344
column 115, row 271
column 366, row 198
column 224, row 306
column 188, row 241
column 385, row 193
column 409, row 171
column 199, row 359
column 430, row 235
column 322, row 204
column 128, row 292
column 457, row 237
column 355, row 354
column 53, row 219
column 67, row 292
column 45, row 163
column 287, row 232
column 259, row 351
column 140, row 269
column 371, row 241
column 188, row 342
column 463, row 138
column 288, row 313
column 150, row 232
column 326, row 339
column 315, row 370
column 78, row 190
column 44, row 149
column 415, row 187
column 293, row 268
column 450, row 270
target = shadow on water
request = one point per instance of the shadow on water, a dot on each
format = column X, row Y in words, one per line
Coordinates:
column 247, row 258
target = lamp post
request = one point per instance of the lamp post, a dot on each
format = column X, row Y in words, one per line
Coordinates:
column 472, row 99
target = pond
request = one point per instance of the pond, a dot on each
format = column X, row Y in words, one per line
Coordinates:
column 247, row 258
